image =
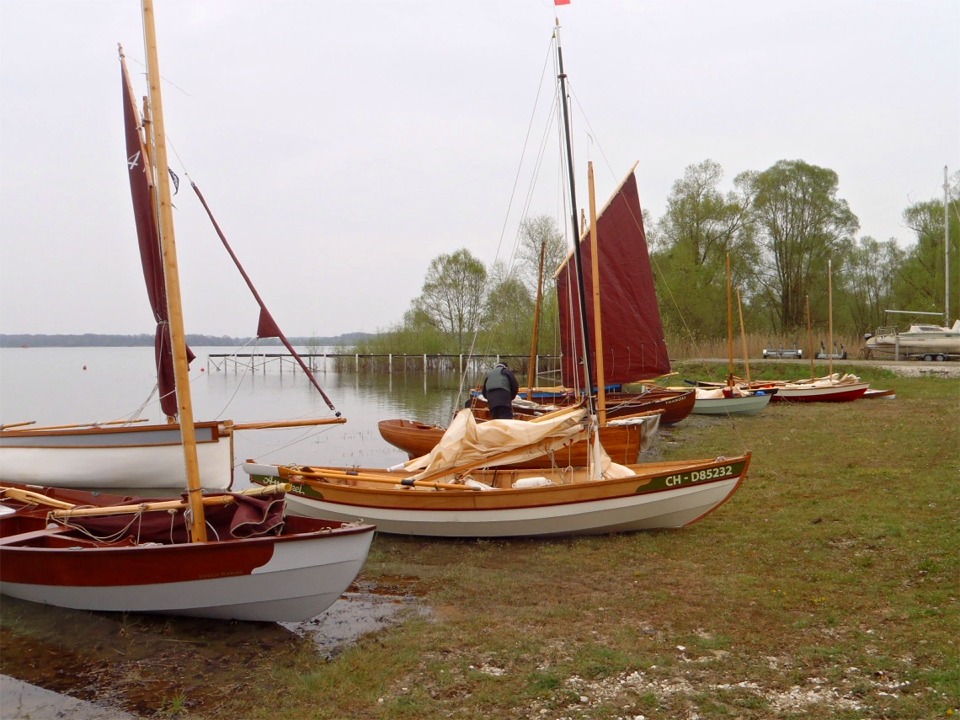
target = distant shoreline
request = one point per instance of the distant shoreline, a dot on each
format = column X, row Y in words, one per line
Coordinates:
column 144, row 340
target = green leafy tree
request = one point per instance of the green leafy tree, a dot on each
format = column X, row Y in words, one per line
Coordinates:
column 690, row 245
column 534, row 234
column 800, row 224
column 870, row 274
column 452, row 298
column 509, row 314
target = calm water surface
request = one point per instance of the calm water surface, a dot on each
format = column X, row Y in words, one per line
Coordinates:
column 76, row 385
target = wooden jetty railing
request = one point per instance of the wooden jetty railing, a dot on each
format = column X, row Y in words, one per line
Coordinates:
column 344, row 362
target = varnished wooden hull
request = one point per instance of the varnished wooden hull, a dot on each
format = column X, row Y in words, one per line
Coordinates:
column 654, row 496
column 623, row 443
column 674, row 405
column 288, row 577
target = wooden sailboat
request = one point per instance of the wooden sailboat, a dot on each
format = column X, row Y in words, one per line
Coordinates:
column 95, row 552
column 633, row 344
column 732, row 399
column 466, row 486
column 136, row 456
column 832, row 388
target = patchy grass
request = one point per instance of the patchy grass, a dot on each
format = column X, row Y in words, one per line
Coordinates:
column 827, row 587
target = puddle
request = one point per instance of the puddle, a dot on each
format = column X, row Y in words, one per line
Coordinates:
column 364, row 608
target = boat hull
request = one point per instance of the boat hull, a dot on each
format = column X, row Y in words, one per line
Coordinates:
column 746, row 405
column 130, row 458
column 623, row 439
column 656, row 496
column 813, row 393
column 288, row 577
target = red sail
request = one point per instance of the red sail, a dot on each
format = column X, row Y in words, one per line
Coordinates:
column 151, row 255
column 634, row 346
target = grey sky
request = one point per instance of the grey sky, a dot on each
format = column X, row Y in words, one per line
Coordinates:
column 343, row 145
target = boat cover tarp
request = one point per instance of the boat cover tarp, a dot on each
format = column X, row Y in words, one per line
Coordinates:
column 467, row 443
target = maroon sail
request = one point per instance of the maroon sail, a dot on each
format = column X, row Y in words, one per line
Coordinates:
column 151, row 255
column 634, row 346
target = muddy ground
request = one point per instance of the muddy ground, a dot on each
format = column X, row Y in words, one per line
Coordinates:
column 156, row 666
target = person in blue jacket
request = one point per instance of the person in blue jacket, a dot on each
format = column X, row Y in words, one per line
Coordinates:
column 500, row 388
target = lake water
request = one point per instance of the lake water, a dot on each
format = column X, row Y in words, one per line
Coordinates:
column 87, row 384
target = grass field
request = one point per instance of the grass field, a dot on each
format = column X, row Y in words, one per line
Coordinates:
column 827, row 587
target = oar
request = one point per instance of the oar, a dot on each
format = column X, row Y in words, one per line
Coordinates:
column 288, row 423
column 69, row 510
column 10, row 426
column 308, row 474
column 74, row 425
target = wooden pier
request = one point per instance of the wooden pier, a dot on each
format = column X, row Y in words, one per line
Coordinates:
column 391, row 363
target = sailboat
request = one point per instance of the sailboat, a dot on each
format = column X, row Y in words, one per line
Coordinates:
column 633, row 343
column 133, row 455
column 732, row 399
column 226, row 555
column 465, row 487
column 834, row 387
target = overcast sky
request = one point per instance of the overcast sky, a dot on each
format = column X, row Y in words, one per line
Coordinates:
column 343, row 145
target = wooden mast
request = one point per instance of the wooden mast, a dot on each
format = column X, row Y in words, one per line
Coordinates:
column 743, row 339
column 810, row 339
column 595, row 274
column 729, row 325
column 830, row 318
column 536, row 323
column 198, row 530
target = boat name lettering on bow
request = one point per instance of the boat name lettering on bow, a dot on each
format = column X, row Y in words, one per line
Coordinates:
column 714, row 473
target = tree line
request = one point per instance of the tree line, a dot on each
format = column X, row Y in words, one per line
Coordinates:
column 780, row 228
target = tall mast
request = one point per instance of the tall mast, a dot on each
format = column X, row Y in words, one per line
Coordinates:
column 584, row 325
column 946, row 248
column 595, row 274
column 198, row 529
column 830, row 317
column 532, row 380
column 730, row 325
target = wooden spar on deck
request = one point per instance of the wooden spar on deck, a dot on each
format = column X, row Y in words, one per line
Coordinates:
column 198, row 528
column 595, row 270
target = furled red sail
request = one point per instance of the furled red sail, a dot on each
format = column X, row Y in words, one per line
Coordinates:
column 151, row 255
column 634, row 346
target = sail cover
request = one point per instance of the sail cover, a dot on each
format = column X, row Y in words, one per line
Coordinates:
column 634, row 346
column 151, row 255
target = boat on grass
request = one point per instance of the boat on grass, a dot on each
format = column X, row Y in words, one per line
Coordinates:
column 460, row 490
column 87, row 551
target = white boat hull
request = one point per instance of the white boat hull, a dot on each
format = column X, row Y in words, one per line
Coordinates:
column 133, row 458
column 746, row 405
column 290, row 588
column 626, row 514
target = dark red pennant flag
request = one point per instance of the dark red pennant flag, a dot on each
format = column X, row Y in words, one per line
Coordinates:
column 561, row 2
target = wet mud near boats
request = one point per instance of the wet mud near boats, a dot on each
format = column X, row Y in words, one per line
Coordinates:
column 151, row 665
